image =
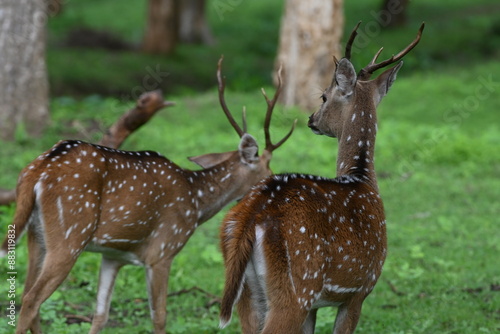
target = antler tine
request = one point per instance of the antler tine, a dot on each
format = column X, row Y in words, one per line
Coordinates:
column 376, row 56
column 284, row 139
column 365, row 73
column 270, row 107
column 348, row 46
column 221, row 87
column 244, row 119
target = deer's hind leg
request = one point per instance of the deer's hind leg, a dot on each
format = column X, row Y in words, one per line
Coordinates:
column 310, row 323
column 54, row 249
column 36, row 254
column 55, row 268
column 288, row 319
column 251, row 311
column 348, row 316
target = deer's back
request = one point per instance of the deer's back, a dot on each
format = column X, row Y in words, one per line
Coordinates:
column 313, row 230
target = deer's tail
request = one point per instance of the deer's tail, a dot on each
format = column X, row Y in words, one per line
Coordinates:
column 237, row 243
column 25, row 203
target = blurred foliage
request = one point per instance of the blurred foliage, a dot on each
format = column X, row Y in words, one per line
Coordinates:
column 247, row 33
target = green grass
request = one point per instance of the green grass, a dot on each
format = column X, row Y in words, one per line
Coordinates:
column 437, row 159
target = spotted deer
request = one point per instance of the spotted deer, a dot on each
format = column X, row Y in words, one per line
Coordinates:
column 132, row 207
column 296, row 243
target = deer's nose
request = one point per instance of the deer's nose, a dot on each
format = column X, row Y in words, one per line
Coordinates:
column 311, row 121
column 313, row 125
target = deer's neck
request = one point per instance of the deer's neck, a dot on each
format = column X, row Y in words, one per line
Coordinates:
column 212, row 189
column 357, row 145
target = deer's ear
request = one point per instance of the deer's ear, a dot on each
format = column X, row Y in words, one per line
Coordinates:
column 345, row 76
column 211, row 159
column 386, row 79
column 249, row 149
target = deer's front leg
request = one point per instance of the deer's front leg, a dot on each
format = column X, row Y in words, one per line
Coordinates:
column 107, row 277
column 157, row 280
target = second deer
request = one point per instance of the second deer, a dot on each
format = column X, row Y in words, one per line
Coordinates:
column 297, row 243
column 133, row 207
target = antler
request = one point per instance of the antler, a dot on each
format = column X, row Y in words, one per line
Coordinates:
column 366, row 72
column 221, row 87
column 348, row 46
column 270, row 107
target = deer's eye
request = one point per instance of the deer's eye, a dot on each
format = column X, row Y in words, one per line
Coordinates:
column 323, row 97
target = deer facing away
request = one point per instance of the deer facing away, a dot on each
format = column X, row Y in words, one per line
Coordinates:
column 296, row 243
column 133, row 207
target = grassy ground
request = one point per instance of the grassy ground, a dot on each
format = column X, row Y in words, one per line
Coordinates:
column 437, row 160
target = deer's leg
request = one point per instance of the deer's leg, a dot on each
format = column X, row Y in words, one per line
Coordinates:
column 56, row 267
column 288, row 319
column 286, row 313
column 107, row 277
column 250, row 320
column 157, row 280
column 347, row 317
column 310, row 324
column 35, row 260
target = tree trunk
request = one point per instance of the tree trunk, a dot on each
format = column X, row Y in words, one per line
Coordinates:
column 193, row 26
column 161, row 27
column 310, row 35
column 393, row 13
column 173, row 21
column 24, row 96
column 54, row 7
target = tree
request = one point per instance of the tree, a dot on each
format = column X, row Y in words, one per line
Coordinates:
column 161, row 27
column 310, row 35
column 173, row 21
column 193, row 25
column 394, row 12
column 24, row 96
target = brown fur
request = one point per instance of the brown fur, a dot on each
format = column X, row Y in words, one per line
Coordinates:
column 134, row 207
column 296, row 243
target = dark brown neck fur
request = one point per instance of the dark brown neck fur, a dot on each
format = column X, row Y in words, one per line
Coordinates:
column 357, row 141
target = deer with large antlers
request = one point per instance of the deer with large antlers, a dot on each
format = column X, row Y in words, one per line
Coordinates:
column 296, row 243
column 133, row 207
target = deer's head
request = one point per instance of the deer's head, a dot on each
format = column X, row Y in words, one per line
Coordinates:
column 350, row 91
column 246, row 164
